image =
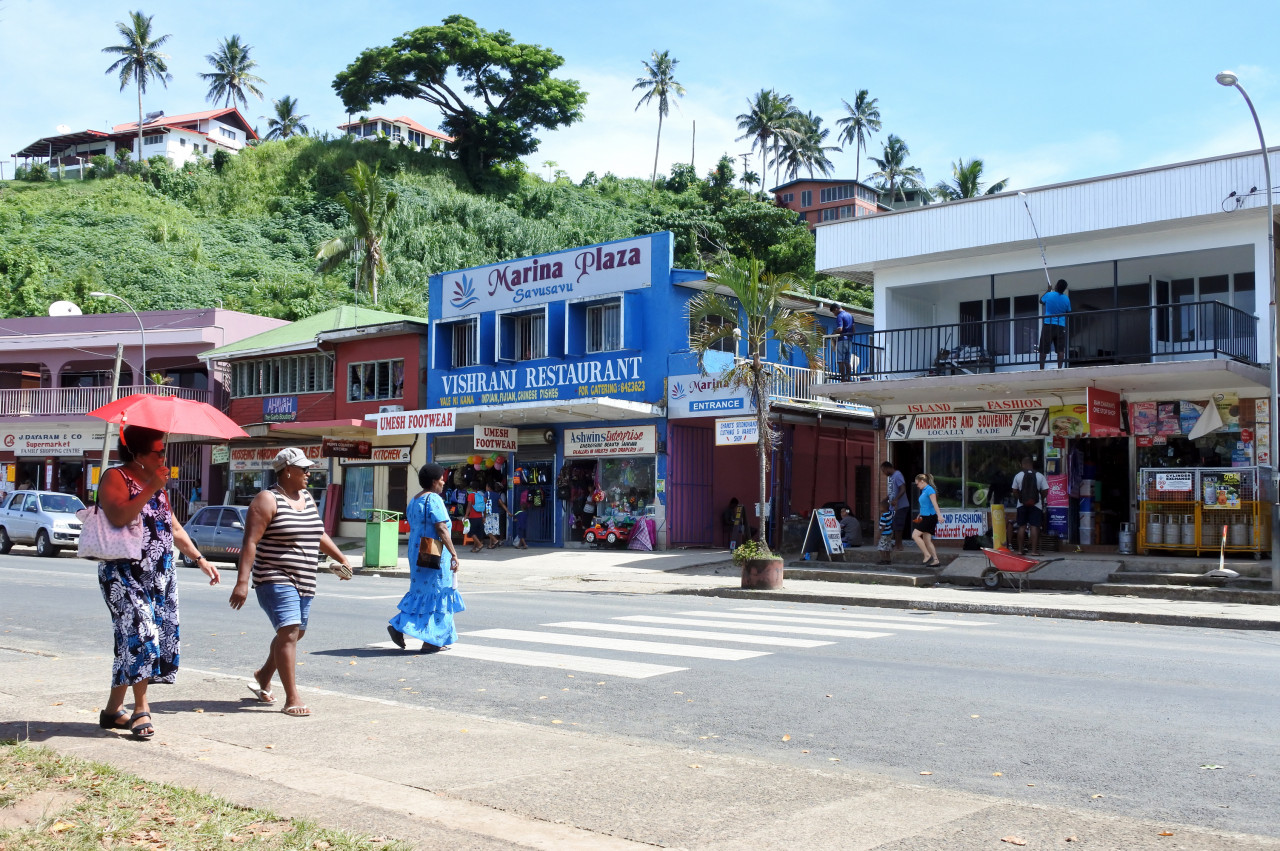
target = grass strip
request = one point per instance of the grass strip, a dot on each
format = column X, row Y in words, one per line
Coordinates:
column 48, row 801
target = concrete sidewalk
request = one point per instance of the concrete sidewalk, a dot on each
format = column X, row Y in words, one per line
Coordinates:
column 442, row 779
column 711, row 573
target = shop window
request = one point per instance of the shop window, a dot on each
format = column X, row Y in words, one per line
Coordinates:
column 522, row 336
column 357, row 492
column 604, row 326
column 375, row 380
column 276, row 376
column 990, row 465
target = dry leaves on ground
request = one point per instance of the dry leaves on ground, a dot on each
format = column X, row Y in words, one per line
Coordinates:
column 1013, row 840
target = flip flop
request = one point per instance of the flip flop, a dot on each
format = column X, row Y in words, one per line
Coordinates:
column 135, row 729
column 263, row 695
column 296, row 711
column 114, row 722
column 397, row 637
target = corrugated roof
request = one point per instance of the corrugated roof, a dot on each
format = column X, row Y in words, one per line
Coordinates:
column 186, row 118
column 406, row 121
column 302, row 333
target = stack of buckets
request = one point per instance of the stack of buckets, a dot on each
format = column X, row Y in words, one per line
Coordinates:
column 1088, row 489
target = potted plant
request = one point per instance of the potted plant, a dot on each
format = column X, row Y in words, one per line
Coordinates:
column 761, row 569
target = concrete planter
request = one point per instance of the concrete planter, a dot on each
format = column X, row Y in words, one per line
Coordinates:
column 762, row 574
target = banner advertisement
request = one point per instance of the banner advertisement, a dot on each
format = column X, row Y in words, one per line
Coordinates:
column 388, row 455
column 335, row 448
column 220, row 454
column 495, row 439
column 245, row 459
column 705, row 395
column 1175, row 482
column 612, row 440
column 736, row 431
column 973, row 426
column 574, row 273
column 414, row 422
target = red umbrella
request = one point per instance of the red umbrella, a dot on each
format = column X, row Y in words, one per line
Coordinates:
column 169, row 414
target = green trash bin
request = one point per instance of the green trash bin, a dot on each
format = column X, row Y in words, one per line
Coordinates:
column 381, row 538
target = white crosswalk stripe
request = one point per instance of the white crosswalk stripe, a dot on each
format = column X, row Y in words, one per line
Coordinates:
column 659, row 648
column 705, row 635
column 905, row 627
column 735, row 637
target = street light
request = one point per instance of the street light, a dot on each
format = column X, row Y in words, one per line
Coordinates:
column 141, row 328
column 1230, row 80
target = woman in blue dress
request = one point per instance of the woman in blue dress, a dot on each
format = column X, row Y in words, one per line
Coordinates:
column 426, row 612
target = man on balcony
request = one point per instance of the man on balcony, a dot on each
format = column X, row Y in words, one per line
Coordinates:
column 844, row 341
column 1054, row 330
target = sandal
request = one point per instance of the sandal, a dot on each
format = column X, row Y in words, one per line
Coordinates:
column 296, row 711
column 934, row 563
column 114, row 722
column 137, row 730
column 263, row 695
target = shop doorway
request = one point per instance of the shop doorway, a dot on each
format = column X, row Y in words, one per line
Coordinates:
column 1105, row 462
column 580, row 476
column 908, row 457
column 398, row 489
column 689, row 486
column 533, row 492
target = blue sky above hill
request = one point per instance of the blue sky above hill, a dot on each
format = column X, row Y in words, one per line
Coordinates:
column 1042, row 92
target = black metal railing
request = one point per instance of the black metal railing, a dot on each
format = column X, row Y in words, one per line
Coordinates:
column 1093, row 338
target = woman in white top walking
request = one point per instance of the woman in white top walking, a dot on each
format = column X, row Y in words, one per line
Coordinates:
column 283, row 537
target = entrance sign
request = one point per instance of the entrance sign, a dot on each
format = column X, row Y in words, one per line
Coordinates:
column 614, row 440
column 575, row 273
column 705, row 395
column 823, row 533
column 991, row 425
column 495, row 439
column 415, row 422
column 737, row 431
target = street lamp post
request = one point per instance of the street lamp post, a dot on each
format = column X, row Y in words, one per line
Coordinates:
column 1230, row 80
column 141, row 328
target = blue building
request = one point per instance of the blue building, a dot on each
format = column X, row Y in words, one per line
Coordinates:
column 569, row 374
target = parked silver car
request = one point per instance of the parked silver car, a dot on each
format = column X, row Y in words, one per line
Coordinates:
column 44, row 518
column 218, row 531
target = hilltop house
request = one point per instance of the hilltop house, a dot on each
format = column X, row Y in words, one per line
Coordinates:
column 402, row 130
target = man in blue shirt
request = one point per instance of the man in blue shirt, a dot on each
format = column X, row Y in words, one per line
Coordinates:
column 1054, row 330
column 844, row 340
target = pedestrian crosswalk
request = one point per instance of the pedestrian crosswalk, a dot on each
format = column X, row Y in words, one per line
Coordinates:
column 692, row 635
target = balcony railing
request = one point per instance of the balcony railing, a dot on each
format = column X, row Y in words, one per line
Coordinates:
column 63, row 401
column 1129, row 335
column 795, row 384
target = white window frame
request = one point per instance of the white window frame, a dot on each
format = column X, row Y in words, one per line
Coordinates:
column 375, row 365
column 600, row 305
column 450, row 327
column 516, row 314
column 288, row 375
column 229, row 134
column 152, row 139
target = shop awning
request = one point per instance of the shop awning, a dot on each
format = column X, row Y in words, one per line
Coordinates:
column 309, row 428
column 600, row 409
column 1137, row 382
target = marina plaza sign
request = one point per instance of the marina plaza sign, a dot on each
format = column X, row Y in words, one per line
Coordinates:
column 575, row 273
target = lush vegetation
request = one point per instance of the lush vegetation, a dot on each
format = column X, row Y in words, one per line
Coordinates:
column 245, row 234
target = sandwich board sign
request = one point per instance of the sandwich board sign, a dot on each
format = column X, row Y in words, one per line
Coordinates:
column 823, row 534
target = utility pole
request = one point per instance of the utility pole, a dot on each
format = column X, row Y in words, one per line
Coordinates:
column 106, row 432
column 693, row 146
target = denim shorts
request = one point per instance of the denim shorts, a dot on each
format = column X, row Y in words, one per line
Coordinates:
column 283, row 604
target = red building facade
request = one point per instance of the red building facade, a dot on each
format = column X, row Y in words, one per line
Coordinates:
column 817, row 200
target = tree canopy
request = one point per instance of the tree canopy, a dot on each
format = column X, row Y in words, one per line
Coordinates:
column 508, row 91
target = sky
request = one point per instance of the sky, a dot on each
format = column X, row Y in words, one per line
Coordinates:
column 1042, row 92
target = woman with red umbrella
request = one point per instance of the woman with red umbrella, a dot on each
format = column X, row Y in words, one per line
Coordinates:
column 142, row 595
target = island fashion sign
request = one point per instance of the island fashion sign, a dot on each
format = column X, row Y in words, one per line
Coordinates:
column 578, row 272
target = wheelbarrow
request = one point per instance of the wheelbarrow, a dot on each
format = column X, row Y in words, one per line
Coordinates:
column 1014, row 569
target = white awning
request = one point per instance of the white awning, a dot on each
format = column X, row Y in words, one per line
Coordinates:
column 599, row 409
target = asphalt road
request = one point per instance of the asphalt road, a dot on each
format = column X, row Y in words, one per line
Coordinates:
column 1158, row 722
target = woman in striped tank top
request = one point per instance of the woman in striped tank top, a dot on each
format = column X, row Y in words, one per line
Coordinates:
column 283, row 539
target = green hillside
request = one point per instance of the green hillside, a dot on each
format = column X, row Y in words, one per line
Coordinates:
column 246, row 237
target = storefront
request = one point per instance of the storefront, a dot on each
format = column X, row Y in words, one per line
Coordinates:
column 249, row 471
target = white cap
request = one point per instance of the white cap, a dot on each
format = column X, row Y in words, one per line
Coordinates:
column 290, row 456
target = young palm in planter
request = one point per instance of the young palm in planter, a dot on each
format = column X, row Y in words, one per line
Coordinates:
column 764, row 319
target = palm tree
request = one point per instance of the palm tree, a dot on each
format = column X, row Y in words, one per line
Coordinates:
column 767, row 320
column 140, row 59
column 231, row 76
column 893, row 172
column 863, row 120
column 370, row 205
column 804, row 148
column 770, row 116
column 286, row 122
column 966, row 182
column 659, row 82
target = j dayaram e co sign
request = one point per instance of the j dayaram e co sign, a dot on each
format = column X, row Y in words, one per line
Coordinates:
column 610, row 440
column 494, row 439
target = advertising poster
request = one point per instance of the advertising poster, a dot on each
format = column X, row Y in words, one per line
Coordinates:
column 1229, row 410
column 1142, row 417
column 1168, row 420
column 958, row 525
column 1069, row 421
column 1188, row 414
column 1221, row 490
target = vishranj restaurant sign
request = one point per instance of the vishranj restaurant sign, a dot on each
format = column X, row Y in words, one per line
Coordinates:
column 575, row 273
column 584, row 378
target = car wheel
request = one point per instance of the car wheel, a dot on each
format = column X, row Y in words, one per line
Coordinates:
column 186, row 562
column 590, row 537
column 43, row 546
column 6, row 543
column 611, row 538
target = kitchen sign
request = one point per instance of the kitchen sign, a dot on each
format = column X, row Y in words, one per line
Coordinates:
column 575, row 273
column 495, row 439
column 990, row 425
column 611, row 440
column 384, row 455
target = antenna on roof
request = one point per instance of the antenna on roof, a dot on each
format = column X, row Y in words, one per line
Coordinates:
column 64, row 308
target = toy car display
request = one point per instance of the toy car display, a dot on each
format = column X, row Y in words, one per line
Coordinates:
column 612, row 532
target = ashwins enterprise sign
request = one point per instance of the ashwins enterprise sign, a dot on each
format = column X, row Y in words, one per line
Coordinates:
column 575, row 273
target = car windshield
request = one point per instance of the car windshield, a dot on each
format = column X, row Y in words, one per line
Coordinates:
column 60, row 503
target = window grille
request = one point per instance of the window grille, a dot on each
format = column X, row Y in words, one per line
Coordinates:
column 604, row 327
column 531, row 336
column 285, row 375
column 375, row 380
column 465, row 349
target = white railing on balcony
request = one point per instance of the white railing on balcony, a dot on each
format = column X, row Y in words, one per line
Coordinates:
column 795, row 385
column 64, row 401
